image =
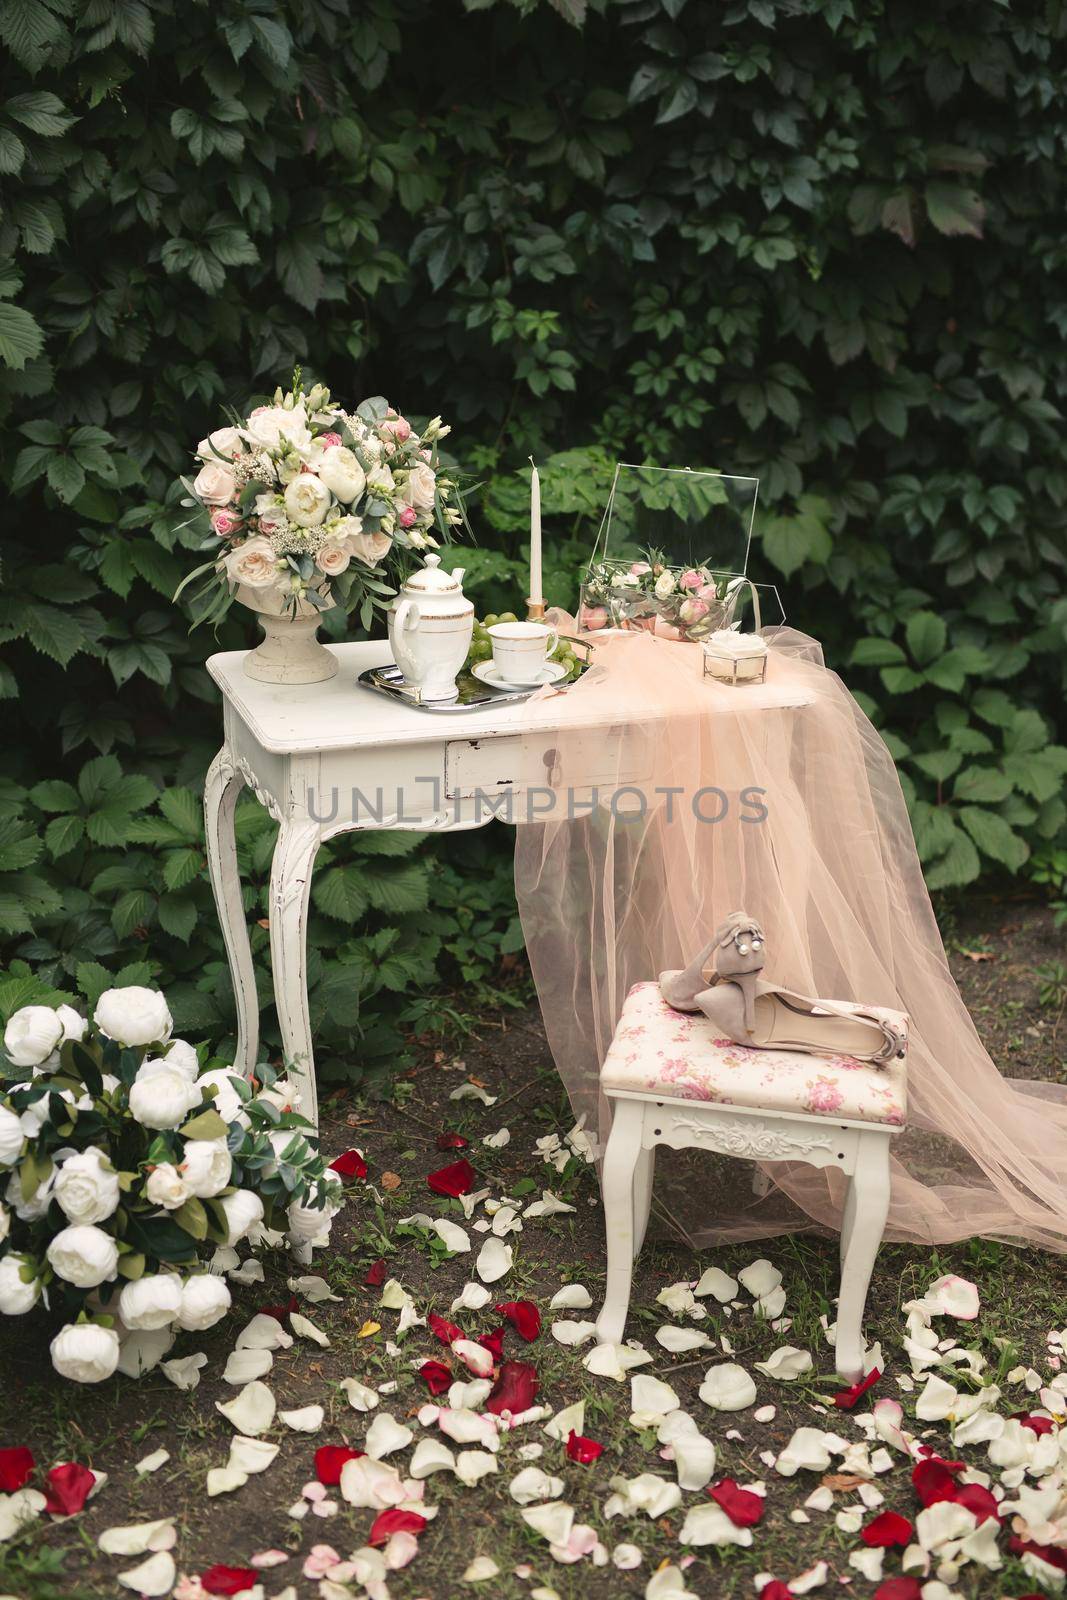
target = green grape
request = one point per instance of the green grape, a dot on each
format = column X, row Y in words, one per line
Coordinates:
column 490, row 620
column 506, row 616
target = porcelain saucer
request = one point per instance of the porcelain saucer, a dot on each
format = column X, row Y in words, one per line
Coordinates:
column 488, row 672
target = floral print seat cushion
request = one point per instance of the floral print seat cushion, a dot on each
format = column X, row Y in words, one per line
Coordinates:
column 675, row 1054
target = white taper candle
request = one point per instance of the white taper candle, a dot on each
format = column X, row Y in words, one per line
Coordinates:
column 536, row 594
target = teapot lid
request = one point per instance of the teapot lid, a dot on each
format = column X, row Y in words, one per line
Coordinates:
column 432, row 579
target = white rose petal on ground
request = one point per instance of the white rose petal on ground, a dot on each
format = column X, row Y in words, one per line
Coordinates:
column 771, row 1305
column 152, row 1463
column 727, row 1388
column 385, row 1435
column 552, row 1521
column 153, row 1577
column 647, row 1492
column 430, row 1456
column 474, row 1091
column 626, row 1557
column 306, row 1419
column 360, row 1396
column 570, row 1419
column 242, row 1366
column 481, row 1569
column 475, row 1357
column 813, row 1578
column 251, row 1411
column 549, row 1205
column 472, row 1297
column 184, row 1371
column 312, row 1289
column 573, row 1334
column 760, row 1278
column 680, row 1301
column 453, row 1237
column 651, row 1396
column 225, row 1480
column 786, row 1364
column 497, row 1141
column 678, row 1339
column 251, row 1455
column 667, row 1584
column 953, row 1297
column 709, row 1524
column 694, row 1460
column 471, row 1465
column 494, row 1260
column 467, row 1427
column 533, row 1484
column 572, row 1297
column 614, row 1360
column 263, row 1333
column 306, row 1329
column 808, row 1449
column 765, row 1413
column 717, row 1283
column 136, row 1538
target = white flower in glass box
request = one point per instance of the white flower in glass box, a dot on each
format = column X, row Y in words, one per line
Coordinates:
column 306, row 506
column 115, row 1212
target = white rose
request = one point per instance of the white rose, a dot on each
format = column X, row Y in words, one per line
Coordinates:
column 253, row 563
column 421, row 487
column 228, row 1102
column 214, row 484
column 85, row 1352
column 370, row 547
column 307, row 500
column 32, row 1034
column 87, row 1187
column 16, row 1297
column 665, row 584
column 162, row 1097
column 243, row 1211
column 207, row 1165
column 5, row 1223
column 274, row 428
column 204, row 1300
column 341, row 472
column 74, row 1024
column 223, row 442
column 31, row 1210
column 332, row 558
column 11, row 1135
column 167, row 1187
column 283, row 1096
column 133, row 1016
column 182, row 1055
column 152, row 1302
column 83, row 1255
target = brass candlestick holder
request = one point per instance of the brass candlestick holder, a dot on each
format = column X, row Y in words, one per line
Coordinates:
column 535, row 610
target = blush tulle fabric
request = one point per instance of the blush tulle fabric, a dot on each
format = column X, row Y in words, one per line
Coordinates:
column 814, row 841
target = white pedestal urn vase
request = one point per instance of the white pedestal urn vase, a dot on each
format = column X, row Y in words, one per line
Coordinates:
column 290, row 652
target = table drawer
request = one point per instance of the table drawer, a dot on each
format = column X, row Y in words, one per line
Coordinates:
column 582, row 761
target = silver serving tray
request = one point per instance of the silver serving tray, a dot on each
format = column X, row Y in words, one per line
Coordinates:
column 471, row 694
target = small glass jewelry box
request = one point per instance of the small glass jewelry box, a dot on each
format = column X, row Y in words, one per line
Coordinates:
column 735, row 657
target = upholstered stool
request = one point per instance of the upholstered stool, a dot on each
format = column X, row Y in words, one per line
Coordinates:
column 672, row 1082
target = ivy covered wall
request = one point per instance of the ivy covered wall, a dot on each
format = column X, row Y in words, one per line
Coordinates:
column 815, row 240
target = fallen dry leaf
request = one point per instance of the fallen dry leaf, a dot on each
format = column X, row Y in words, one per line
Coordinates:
column 368, row 1329
column 842, row 1482
column 978, row 955
column 391, row 1181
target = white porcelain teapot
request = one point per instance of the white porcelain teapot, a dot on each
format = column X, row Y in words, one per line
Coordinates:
column 430, row 626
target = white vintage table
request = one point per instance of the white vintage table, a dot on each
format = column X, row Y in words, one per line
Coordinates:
column 334, row 757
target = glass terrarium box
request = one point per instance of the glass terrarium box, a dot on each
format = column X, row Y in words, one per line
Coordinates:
column 671, row 555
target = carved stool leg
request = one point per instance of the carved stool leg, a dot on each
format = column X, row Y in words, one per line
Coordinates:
column 290, row 890
column 222, row 787
column 644, row 1173
column 617, row 1183
column 866, row 1209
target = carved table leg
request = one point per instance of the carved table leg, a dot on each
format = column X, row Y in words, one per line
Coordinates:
column 866, row 1209
column 617, row 1186
column 222, row 787
column 290, row 889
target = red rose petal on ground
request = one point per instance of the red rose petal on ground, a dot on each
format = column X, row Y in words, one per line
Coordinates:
column 494, row 1342
column 887, row 1529
column 16, row 1465
column 376, row 1274
column 582, row 1449
column 279, row 1313
column 975, row 1497
column 523, row 1316
column 451, row 1141
column 67, row 1487
column 515, row 1388
column 444, row 1330
column 436, row 1375
column 228, row 1580
column 329, row 1459
column 386, row 1523
column 1047, row 1552
column 906, row 1588
column 776, row 1590
column 1036, row 1424
column 847, row 1398
column 743, row 1508
column 350, row 1165
column 935, row 1480
column 454, row 1180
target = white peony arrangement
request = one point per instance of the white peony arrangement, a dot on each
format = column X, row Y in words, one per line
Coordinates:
column 309, row 504
column 128, row 1176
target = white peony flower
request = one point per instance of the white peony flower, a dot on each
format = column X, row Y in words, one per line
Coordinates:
column 85, row 1352
column 166, row 1187
column 31, row 1035
column 283, row 1096
column 341, row 472
column 151, row 1302
column 205, row 1299
column 307, row 500
column 162, row 1097
column 421, row 487
column 11, row 1136
column 276, row 428
column 33, row 1209
column 179, row 1053
column 16, row 1297
column 253, row 563
column 243, row 1211
column 228, row 1102
column 5, row 1223
column 87, row 1187
column 133, row 1016
column 225, row 442
column 206, row 1164
column 83, row 1255
column 74, row 1024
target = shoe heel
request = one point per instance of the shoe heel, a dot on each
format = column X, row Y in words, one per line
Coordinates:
column 746, row 982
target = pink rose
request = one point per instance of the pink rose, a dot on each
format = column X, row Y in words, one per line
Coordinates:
column 639, row 568
column 407, row 516
column 708, row 592
column 332, row 558
column 692, row 610
column 214, row 484
column 226, row 523
column 253, row 563
column 329, row 441
column 691, row 580
column 593, row 617
column 399, row 427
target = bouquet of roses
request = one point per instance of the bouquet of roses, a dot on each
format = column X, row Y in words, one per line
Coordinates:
column 650, row 594
column 306, row 504
column 128, row 1176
